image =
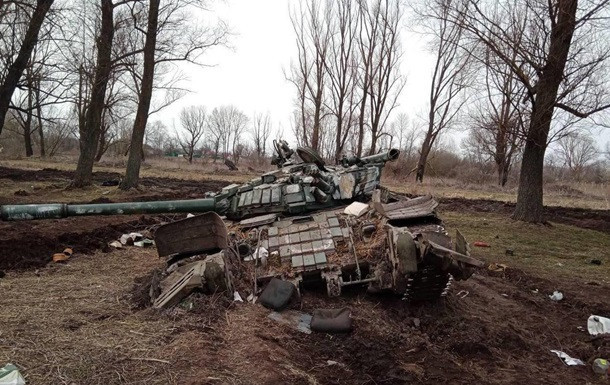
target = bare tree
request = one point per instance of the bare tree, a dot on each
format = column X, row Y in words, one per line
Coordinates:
column 404, row 132
column 381, row 82
column 347, row 74
column 16, row 67
column 156, row 137
column 450, row 78
column 576, row 151
column 132, row 174
column 561, row 50
column 341, row 67
column 193, row 121
column 498, row 121
column 261, row 130
column 167, row 40
column 226, row 125
column 89, row 137
column 308, row 74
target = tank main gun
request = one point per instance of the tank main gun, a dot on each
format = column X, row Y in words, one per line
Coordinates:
column 62, row 210
column 382, row 157
column 294, row 188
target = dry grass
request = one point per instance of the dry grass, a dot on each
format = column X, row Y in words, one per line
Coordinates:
column 74, row 324
column 561, row 250
column 71, row 324
column 582, row 195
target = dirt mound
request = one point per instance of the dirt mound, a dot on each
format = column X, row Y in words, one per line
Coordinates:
column 586, row 218
column 28, row 245
column 501, row 332
column 49, row 174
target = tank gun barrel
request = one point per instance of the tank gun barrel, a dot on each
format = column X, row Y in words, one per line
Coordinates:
column 382, row 157
column 62, row 210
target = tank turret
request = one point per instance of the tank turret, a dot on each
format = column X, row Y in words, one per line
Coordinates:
column 295, row 187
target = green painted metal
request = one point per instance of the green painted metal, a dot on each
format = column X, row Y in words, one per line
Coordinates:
column 60, row 210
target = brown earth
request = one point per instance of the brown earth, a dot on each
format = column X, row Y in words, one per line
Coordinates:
column 30, row 244
column 81, row 324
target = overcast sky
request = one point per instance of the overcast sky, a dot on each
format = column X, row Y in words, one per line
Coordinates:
column 251, row 74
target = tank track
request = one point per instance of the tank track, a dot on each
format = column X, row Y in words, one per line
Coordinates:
column 427, row 284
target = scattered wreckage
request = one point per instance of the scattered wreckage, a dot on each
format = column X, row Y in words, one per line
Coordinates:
column 304, row 225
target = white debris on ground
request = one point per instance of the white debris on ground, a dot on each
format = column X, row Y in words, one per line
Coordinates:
column 598, row 325
column 570, row 361
column 556, row 296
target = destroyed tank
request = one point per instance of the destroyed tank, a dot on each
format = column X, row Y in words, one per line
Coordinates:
column 307, row 223
column 294, row 188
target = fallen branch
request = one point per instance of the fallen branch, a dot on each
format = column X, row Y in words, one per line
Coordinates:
column 149, row 359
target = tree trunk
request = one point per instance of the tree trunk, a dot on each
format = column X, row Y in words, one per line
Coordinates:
column 15, row 70
column 361, row 123
column 503, row 170
column 315, row 135
column 136, row 151
column 93, row 119
column 529, row 206
column 339, row 133
column 39, row 113
column 423, row 155
column 374, row 138
column 423, row 158
column 101, row 146
column 27, row 126
column 27, row 136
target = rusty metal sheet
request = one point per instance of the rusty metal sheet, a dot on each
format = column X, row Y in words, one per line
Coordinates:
column 438, row 238
column 413, row 208
column 445, row 252
column 259, row 221
column 197, row 234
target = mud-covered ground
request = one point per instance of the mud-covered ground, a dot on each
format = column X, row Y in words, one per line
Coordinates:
column 30, row 244
column 78, row 323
